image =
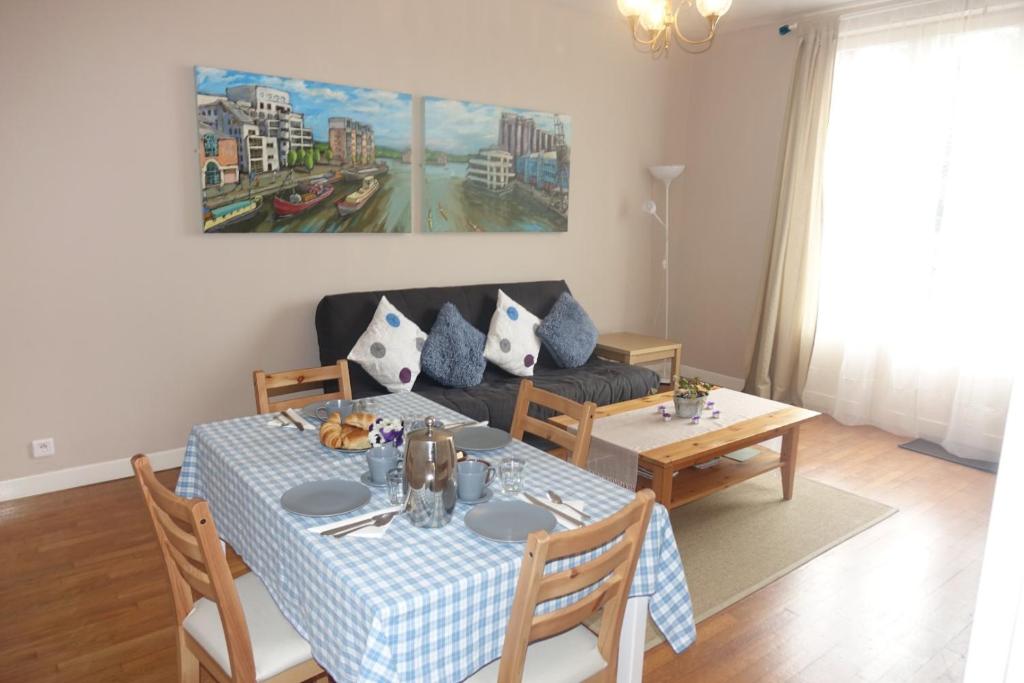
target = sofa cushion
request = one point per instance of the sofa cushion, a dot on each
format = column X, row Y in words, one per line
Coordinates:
column 453, row 354
column 512, row 342
column 341, row 318
column 568, row 332
column 389, row 350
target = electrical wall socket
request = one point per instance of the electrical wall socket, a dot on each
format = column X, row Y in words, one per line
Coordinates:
column 43, row 448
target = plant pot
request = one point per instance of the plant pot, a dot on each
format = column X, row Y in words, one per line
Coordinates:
column 688, row 407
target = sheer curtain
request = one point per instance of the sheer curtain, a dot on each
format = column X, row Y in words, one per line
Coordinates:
column 921, row 264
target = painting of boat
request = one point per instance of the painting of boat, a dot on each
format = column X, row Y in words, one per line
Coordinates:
column 380, row 168
column 235, row 212
column 356, row 200
column 301, row 146
column 301, row 198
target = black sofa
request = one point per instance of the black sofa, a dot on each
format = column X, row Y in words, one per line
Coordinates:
column 342, row 318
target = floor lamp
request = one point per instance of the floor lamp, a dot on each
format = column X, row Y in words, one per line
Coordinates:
column 665, row 174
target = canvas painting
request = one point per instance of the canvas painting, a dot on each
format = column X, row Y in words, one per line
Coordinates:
column 495, row 169
column 281, row 154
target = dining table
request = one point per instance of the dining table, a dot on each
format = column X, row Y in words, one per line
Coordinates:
column 413, row 604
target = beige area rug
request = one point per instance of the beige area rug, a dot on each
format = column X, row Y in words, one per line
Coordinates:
column 741, row 539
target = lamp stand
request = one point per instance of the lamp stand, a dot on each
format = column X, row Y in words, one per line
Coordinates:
column 665, row 174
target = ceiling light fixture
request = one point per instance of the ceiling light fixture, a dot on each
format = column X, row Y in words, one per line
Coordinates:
column 654, row 21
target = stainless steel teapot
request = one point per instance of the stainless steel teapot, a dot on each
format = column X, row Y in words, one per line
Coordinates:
column 430, row 475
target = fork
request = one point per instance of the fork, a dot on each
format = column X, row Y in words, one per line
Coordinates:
column 557, row 500
column 379, row 520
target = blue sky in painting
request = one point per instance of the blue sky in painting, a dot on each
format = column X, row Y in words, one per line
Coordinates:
column 459, row 127
column 390, row 113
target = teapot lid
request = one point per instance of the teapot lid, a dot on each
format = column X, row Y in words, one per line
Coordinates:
column 431, row 432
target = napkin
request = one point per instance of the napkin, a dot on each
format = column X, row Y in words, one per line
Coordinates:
column 365, row 532
column 578, row 504
column 279, row 421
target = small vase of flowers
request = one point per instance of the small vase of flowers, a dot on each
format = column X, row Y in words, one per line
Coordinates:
column 690, row 395
column 387, row 432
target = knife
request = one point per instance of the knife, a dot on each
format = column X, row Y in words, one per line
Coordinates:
column 539, row 503
column 298, row 425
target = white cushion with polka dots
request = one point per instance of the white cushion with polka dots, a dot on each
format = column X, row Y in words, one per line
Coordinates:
column 389, row 349
column 512, row 342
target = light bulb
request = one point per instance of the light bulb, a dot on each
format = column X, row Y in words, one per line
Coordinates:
column 652, row 17
column 632, row 8
column 716, row 8
column 650, row 207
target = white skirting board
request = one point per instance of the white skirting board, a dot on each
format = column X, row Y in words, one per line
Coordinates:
column 72, row 477
column 717, row 378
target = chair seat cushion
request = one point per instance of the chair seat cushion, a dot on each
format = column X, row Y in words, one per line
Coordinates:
column 276, row 646
column 569, row 657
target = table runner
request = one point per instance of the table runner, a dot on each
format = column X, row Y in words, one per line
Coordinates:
column 418, row 604
column 617, row 440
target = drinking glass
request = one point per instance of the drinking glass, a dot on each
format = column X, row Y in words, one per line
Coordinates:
column 512, row 472
column 396, row 478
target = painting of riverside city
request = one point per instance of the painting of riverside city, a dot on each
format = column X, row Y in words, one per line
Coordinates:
column 287, row 155
column 494, row 169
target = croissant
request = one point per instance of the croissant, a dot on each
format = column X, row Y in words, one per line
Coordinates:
column 330, row 433
column 354, row 438
column 361, row 420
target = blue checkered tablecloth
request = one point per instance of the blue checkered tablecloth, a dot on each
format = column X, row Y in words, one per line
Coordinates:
column 417, row 604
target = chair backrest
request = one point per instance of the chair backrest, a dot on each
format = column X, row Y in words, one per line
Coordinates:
column 195, row 561
column 577, row 443
column 610, row 574
column 268, row 385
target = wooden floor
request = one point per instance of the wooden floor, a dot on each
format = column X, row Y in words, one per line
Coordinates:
column 85, row 599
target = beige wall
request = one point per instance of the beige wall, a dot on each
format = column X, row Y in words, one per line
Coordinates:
column 123, row 325
column 732, row 100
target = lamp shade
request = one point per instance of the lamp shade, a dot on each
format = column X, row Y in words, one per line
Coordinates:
column 652, row 17
column 632, row 8
column 713, row 8
column 666, row 174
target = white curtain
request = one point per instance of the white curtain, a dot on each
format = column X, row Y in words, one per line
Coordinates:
column 921, row 271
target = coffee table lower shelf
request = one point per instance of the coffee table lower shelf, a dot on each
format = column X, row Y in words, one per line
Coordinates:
column 691, row 483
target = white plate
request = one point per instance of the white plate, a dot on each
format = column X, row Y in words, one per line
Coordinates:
column 481, row 439
column 325, row 498
column 509, row 521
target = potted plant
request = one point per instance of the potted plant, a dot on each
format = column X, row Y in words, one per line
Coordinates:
column 690, row 395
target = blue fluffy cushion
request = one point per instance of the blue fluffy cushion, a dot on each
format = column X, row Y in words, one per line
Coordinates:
column 568, row 333
column 453, row 354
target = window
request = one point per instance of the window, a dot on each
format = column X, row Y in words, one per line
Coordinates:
column 210, row 145
column 212, row 174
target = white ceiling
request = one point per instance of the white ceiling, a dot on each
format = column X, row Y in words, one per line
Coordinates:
column 744, row 13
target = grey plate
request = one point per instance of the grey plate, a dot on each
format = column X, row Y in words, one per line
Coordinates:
column 509, row 521
column 335, row 406
column 481, row 439
column 488, row 494
column 325, row 498
column 365, row 478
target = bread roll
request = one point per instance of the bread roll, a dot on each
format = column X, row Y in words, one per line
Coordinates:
column 361, row 420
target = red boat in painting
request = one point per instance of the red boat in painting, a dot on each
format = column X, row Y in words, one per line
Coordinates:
column 301, row 198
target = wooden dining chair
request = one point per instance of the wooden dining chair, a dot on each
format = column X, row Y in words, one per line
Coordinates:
column 556, row 646
column 576, row 444
column 268, row 385
column 234, row 630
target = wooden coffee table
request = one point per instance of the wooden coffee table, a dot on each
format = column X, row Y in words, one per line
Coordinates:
column 676, row 482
